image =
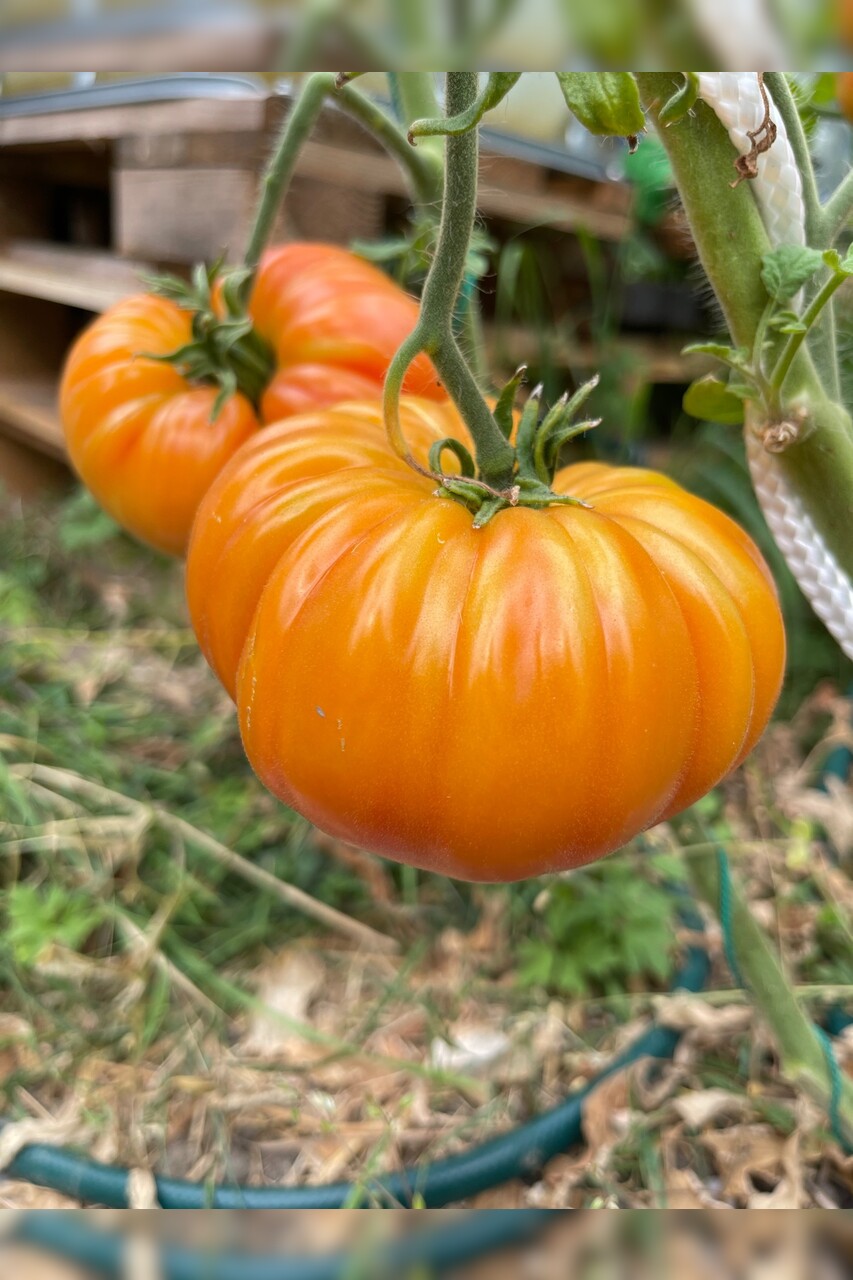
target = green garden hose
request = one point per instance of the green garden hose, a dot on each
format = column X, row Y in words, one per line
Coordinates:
column 474, row 1235
column 522, row 1153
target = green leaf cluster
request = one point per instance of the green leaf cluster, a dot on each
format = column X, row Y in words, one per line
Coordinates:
column 601, row 927
column 785, row 271
column 38, row 918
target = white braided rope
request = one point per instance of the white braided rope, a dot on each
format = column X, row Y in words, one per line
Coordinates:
column 736, row 100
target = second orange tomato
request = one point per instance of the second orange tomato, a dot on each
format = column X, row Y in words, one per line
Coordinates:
column 142, row 436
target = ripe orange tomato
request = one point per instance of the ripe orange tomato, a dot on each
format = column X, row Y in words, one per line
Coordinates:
column 140, row 434
column 334, row 322
column 488, row 703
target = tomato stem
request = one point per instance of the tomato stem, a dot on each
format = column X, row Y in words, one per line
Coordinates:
column 413, row 94
column 507, row 475
column 422, row 168
column 434, row 332
column 819, row 466
column 802, row 1055
column 795, row 340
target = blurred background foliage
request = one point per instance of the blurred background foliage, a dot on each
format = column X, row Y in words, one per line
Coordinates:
column 414, row 34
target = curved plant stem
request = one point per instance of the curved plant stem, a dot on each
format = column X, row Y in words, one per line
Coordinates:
column 421, row 168
column 434, row 332
column 788, row 353
column 803, row 1057
column 415, row 98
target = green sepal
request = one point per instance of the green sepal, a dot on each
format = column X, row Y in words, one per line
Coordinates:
column 682, row 101
column 464, row 490
column 487, row 510
column 562, row 436
column 606, row 102
column 226, row 351
column 503, row 411
column 558, row 427
column 525, row 440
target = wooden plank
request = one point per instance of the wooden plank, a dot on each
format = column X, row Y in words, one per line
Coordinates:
column 90, row 279
column 24, row 208
column 547, row 211
column 226, row 43
column 26, row 475
column 181, row 215
column 105, row 123
column 235, row 149
column 314, row 210
column 362, row 171
column 28, row 413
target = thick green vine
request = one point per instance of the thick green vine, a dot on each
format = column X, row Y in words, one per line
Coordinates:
column 801, row 412
column 506, row 474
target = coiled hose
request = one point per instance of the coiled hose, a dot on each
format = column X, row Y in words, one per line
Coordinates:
column 522, row 1153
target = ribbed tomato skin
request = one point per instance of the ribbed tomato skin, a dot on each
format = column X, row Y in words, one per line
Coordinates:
column 141, row 437
column 492, row 703
column 138, row 434
column 334, row 322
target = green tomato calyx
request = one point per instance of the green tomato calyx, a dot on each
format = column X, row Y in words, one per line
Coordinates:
column 226, row 350
column 538, row 442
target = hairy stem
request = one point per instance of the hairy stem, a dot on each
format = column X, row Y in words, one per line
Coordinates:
column 434, row 333
column 420, row 167
column 802, row 1054
column 796, row 340
column 731, row 241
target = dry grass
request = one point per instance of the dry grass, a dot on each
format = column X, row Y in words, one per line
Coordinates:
column 193, row 981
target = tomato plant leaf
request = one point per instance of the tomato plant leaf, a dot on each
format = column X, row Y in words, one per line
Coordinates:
column 676, row 107
column 785, row 270
column 712, row 400
column 735, row 357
